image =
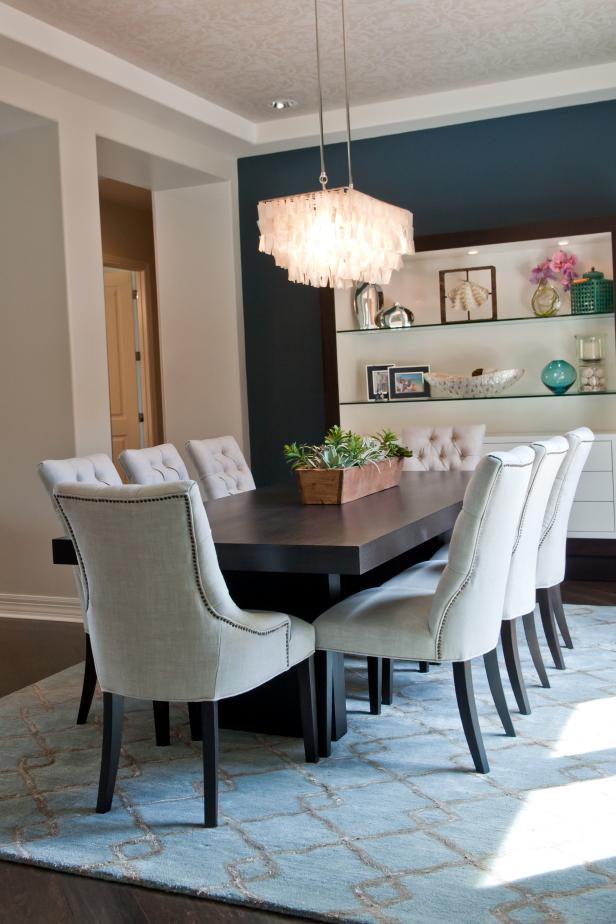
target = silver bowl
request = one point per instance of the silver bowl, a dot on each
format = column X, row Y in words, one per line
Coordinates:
column 475, row 386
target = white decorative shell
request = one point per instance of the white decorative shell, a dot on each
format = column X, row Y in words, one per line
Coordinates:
column 468, row 295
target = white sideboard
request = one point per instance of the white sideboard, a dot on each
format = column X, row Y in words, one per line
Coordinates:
column 593, row 515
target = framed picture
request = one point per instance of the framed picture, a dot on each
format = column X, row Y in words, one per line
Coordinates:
column 407, row 382
column 378, row 382
column 465, row 290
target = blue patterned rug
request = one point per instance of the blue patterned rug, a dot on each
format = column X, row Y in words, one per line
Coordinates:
column 394, row 827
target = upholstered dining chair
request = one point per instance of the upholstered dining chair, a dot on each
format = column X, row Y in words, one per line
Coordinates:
column 460, row 619
column 221, row 467
column 444, row 448
column 93, row 469
column 162, row 623
column 153, row 464
column 519, row 601
column 551, row 560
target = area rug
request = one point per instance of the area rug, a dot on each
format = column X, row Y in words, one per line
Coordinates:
column 394, row 827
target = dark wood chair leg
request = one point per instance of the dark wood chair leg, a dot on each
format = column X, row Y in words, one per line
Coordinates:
column 161, row 723
column 388, row 681
column 463, row 682
column 339, row 713
column 490, row 659
column 89, row 685
column 323, row 672
column 308, row 709
column 509, row 638
column 559, row 613
column 209, row 727
column 375, row 684
column 424, row 667
column 113, row 713
column 194, row 718
column 549, row 627
column 530, row 630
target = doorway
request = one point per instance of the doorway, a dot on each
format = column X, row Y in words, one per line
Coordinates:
column 131, row 316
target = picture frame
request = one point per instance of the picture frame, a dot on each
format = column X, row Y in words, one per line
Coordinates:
column 377, row 381
column 484, row 276
column 408, row 382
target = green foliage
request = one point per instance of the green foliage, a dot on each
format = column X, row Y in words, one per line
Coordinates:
column 345, row 449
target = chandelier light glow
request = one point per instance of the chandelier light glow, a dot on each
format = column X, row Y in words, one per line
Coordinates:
column 337, row 237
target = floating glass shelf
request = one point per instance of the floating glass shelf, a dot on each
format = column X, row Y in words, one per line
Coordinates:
column 557, row 317
column 568, row 394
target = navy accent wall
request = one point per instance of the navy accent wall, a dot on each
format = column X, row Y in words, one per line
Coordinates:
column 494, row 173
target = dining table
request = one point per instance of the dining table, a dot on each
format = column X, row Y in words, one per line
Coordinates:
column 277, row 553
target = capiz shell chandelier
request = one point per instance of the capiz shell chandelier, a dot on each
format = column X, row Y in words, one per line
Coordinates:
column 337, row 237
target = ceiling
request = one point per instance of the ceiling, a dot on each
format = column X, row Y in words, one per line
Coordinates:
column 240, row 54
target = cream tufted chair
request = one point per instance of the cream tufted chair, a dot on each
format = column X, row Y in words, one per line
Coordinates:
column 443, row 448
column 221, row 467
column 153, row 465
column 520, row 595
column 94, row 469
column 461, row 618
column 162, row 622
column 552, row 556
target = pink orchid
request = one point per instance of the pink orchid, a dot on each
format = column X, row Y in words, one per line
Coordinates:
column 560, row 260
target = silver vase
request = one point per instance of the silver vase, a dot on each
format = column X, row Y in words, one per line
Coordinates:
column 395, row 316
column 367, row 303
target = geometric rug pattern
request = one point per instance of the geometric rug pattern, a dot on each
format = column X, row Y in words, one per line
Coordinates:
column 394, row 827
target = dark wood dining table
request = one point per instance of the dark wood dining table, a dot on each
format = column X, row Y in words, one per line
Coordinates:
column 279, row 554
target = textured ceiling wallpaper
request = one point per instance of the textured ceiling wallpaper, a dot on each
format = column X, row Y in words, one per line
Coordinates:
column 242, row 53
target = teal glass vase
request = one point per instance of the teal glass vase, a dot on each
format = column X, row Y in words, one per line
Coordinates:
column 558, row 376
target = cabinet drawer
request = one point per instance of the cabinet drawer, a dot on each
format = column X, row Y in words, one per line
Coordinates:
column 595, row 486
column 591, row 517
column 600, row 458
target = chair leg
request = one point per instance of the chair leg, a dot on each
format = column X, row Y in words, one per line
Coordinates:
column 308, row 708
column 339, row 714
column 463, row 682
column 559, row 612
column 388, row 681
column 375, row 684
column 532, row 641
column 89, row 685
column 323, row 671
column 549, row 627
column 209, row 726
column 490, row 659
column 113, row 713
column 509, row 638
column 161, row 723
column 194, row 718
column 424, row 667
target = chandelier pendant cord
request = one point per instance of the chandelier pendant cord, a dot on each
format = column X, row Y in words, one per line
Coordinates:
column 323, row 176
column 346, row 96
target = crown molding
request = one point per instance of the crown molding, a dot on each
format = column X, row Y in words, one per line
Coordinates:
column 467, row 104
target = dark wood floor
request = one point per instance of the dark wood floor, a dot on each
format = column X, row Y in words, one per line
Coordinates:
column 32, row 650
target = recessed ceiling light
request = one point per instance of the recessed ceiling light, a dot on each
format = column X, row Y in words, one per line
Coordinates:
column 283, row 103
column 472, row 253
column 563, row 243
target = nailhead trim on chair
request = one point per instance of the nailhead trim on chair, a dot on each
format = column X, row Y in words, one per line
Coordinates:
column 526, row 502
column 471, row 569
column 193, row 543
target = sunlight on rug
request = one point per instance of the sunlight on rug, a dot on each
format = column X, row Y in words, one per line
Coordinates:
column 394, row 827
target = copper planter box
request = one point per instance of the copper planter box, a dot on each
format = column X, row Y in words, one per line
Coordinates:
column 340, row 485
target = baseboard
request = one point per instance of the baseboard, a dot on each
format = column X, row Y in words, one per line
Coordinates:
column 29, row 606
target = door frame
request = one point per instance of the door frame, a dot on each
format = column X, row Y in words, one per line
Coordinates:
column 151, row 391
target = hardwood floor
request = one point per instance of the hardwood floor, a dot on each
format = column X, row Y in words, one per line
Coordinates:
column 32, row 650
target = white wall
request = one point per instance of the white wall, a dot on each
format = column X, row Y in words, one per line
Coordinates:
column 35, row 380
column 202, row 369
column 76, row 419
